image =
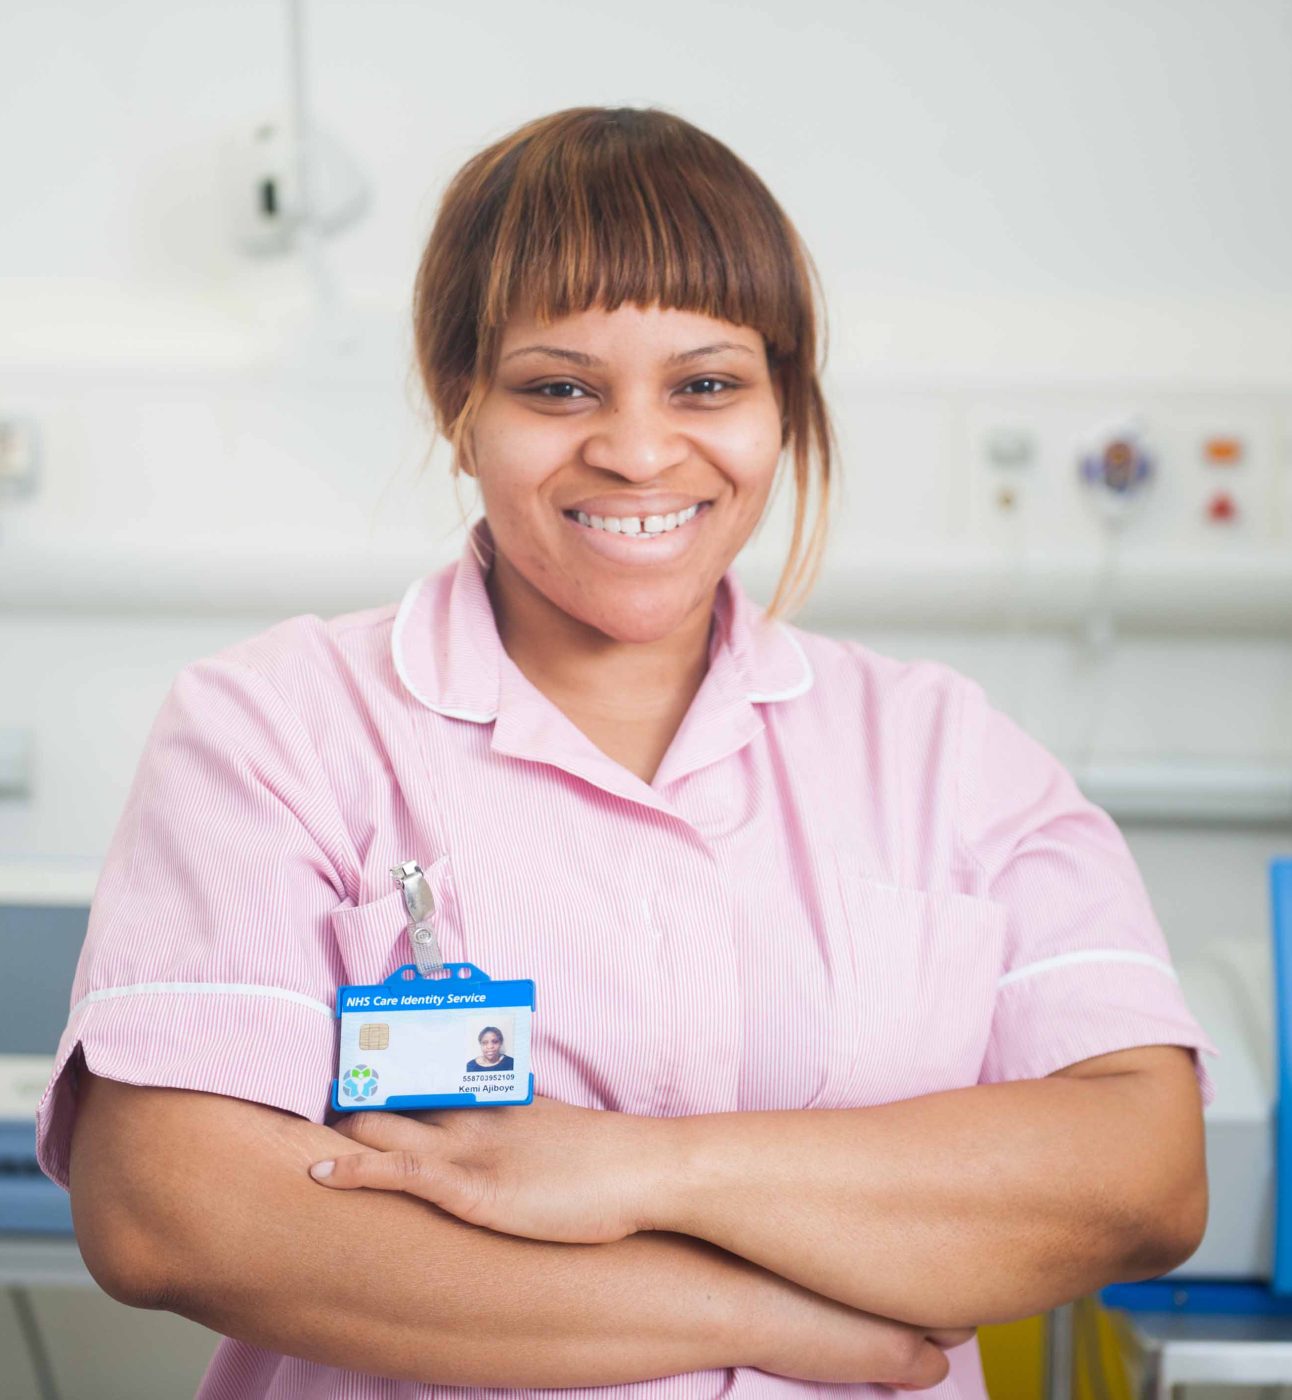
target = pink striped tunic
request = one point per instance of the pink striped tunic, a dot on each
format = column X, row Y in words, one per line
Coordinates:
column 851, row 881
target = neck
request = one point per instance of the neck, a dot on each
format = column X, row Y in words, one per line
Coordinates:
column 604, row 685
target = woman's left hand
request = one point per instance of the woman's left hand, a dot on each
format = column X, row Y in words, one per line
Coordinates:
column 546, row 1171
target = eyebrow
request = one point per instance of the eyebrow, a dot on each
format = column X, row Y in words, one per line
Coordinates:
column 577, row 357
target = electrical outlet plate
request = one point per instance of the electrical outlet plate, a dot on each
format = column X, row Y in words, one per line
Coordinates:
column 15, row 763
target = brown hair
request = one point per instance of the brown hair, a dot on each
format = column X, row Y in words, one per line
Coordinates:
column 595, row 206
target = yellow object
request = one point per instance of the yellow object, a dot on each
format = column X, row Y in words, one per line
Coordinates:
column 374, row 1035
column 1013, row 1357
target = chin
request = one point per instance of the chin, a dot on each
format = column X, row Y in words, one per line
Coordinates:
column 646, row 619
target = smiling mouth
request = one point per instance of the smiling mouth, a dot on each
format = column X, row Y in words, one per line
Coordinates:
column 641, row 527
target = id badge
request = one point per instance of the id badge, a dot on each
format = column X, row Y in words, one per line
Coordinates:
column 456, row 1040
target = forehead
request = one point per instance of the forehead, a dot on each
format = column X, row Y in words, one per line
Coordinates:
column 629, row 327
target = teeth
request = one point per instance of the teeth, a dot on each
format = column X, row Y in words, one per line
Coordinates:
column 643, row 527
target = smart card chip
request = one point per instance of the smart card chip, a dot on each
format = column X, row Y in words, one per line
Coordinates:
column 374, row 1035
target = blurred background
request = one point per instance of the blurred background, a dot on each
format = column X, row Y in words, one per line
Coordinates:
column 1056, row 249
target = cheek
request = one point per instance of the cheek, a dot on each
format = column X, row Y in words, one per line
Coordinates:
column 513, row 456
column 512, row 493
column 747, row 448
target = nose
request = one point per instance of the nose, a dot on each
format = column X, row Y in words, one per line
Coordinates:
column 635, row 440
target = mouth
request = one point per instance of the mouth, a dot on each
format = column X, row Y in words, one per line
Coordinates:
column 639, row 528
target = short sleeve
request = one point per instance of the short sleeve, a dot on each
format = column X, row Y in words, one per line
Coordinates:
column 1086, row 966
column 209, row 962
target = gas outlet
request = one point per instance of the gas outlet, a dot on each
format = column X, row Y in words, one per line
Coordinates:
column 1116, row 466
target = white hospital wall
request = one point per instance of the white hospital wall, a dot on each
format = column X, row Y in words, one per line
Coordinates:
column 1011, row 186
column 1008, row 199
column 1031, row 201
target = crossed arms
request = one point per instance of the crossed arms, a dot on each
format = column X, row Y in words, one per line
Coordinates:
column 830, row 1245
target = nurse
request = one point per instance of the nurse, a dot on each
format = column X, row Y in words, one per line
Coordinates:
column 704, row 833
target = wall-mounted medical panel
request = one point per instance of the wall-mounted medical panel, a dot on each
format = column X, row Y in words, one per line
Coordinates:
column 1194, row 474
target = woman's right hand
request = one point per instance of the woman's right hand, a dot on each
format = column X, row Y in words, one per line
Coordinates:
column 802, row 1335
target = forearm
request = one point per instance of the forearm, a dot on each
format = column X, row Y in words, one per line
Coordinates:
column 394, row 1287
column 970, row 1206
column 401, row 1290
column 247, row 1244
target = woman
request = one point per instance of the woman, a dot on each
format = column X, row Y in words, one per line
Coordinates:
column 490, row 1055
column 697, row 828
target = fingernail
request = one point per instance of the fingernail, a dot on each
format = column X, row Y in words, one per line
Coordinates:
column 321, row 1169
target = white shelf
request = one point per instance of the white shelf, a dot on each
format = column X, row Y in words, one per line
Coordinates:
column 1188, row 791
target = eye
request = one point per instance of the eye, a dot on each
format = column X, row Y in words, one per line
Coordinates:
column 541, row 389
column 719, row 384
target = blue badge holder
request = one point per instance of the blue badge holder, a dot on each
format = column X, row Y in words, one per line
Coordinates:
column 406, row 990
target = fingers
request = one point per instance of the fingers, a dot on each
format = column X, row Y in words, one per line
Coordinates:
column 415, row 1175
column 950, row 1336
column 928, row 1366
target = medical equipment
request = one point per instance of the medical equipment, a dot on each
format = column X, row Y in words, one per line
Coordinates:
column 288, row 181
column 1233, row 992
column 39, row 944
column 1225, row 1315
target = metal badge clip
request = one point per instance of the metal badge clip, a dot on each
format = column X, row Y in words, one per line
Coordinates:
column 421, row 914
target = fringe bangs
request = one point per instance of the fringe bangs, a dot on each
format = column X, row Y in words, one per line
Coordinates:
column 597, row 214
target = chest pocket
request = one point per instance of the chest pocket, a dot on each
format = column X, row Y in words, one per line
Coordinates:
column 594, row 960
column 373, row 936
column 914, row 986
